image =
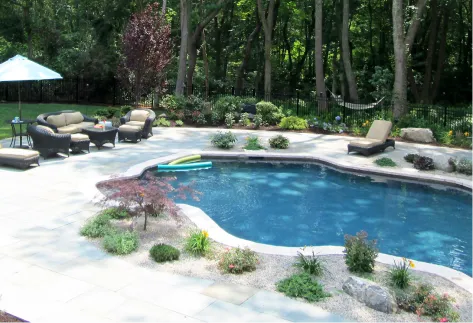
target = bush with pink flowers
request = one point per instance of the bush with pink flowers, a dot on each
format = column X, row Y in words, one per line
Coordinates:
column 237, row 260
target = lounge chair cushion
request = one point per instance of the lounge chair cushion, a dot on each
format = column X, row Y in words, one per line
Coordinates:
column 58, row 120
column 139, row 115
column 85, row 124
column 128, row 128
column 72, row 128
column 47, row 129
column 73, row 117
column 75, row 137
column 15, row 153
column 136, row 124
column 379, row 130
column 366, row 143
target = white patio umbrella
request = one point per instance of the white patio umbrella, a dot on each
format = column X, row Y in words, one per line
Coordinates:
column 19, row 68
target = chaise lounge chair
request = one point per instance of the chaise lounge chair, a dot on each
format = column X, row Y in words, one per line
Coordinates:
column 376, row 139
column 20, row 158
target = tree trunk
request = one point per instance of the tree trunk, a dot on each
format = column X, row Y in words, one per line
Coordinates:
column 430, row 54
column 441, row 57
column 319, row 64
column 267, row 23
column 164, row 7
column 206, row 65
column 246, row 57
column 352, row 89
column 181, row 73
column 334, row 71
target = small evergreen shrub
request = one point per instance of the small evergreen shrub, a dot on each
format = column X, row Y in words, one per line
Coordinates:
column 270, row 113
column 163, row 252
column 399, row 274
column 237, row 261
column 229, row 120
column 360, row 254
column 252, row 143
column 223, row 106
column 423, row 163
column 124, row 109
column 97, row 227
column 279, row 142
column 162, row 122
column 116, row 213
column 309, row 264
column 464, row 166
column 245, row 119
column 179, row 123
column 120, row 242
column 257, row 120
column 302, row 286
column 293, row 123
column 225, row 140
column 198, row 243
column 385, row 162
column 411, row 157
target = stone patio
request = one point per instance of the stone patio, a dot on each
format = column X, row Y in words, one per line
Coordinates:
column 50, row 273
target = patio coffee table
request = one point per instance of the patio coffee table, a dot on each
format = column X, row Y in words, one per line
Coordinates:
column 99, row 136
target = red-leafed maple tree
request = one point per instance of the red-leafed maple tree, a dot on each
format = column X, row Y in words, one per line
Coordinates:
column 146, row 51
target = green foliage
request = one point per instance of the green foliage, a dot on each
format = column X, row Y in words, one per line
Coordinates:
column 163, row 252
column 257, row 120
column 198, row 243
column 270, row 113
column 249, row 100
column 116, row 213
column 309, row 264
column 225, row 140
column 382, row 80
column 229, row 120
column 360, row 254
column 120, row 242
column 423, row 163
column 223, row 106
column 124, row 109
column 245, row 119
column 97, row 227
column 279, row 142
column 399, row 274
column 179, row 123
column 162, row 122
column 463, row 166
column 107, row 113
column 252, row 143
column 385, row 162
column 293, row 123
column 302, row 286
column 237, row 261
column 411, row 157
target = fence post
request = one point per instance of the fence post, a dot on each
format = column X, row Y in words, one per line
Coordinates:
column 297, row 102
column 233, row 91
column 114, row 91
column 254, row 92
column 41, row 91
column 344, row 112
column 77, row 89
column 445, row 116
column 6, row 92
column 192, row 89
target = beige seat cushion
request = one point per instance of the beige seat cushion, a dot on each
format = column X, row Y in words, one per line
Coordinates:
column 136, row 124
column 73, row 117
column 79, row 137
column 366, row 143
column 57, row 120
column 128, row 128
column 139, row 115
column 85, row 124
column 47, row 129
column 72, row 128
column 16, row 153
column 379, row 130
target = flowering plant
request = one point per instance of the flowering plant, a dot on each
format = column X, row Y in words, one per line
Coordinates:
column 399, row 274
column 237, row 260
column 198, row 243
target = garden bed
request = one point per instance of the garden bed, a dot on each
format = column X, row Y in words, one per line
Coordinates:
column 6, row 317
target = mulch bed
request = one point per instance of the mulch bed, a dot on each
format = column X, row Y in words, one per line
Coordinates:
column 5, row 317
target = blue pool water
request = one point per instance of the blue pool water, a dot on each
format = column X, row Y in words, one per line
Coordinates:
column 297, row 205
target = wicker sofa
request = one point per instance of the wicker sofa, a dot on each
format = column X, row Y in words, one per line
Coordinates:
column 142, row 118
column 47, row 142
column 66, row 121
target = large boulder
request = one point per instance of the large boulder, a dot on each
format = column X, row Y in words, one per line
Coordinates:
column 370, row 294
column 423, row 135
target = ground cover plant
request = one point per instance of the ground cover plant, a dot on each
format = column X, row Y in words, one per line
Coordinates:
column 360, row 253
column 120, row 242
column 116, row 213
column 162, row 252
column 385, row 162
column 279, row 142
column 463, row 166
column 293, row 123
column 423, row 163
column 237, row 260
column 198, row 243
column 97, row 226
column 162, row 122
column 252, row 143
column 302, row 286
column 224, row 140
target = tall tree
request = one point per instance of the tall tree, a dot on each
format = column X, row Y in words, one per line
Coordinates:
column 267, row 23
column 185, row 7
column 402, row 45
column 352, row 88
column 319, row 63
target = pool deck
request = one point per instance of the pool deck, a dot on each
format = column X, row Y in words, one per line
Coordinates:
column 50, row 273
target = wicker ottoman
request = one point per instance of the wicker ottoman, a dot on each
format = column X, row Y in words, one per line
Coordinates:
column 127, row 132
column 16, row 157
column 79, row 143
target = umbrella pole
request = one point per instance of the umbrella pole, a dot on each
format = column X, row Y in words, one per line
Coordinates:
column 19, row 99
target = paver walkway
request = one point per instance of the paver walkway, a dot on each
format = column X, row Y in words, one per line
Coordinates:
column 49, row 273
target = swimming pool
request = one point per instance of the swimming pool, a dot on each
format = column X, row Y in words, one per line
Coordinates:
column 313, row 205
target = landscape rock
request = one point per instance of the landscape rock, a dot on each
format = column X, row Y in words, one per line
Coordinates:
column 423, row 135
column 440, row 160
column 371, row 294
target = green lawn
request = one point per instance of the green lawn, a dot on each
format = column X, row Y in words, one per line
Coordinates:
column 30, row 111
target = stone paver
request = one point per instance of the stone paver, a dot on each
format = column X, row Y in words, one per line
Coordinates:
column 49, row 273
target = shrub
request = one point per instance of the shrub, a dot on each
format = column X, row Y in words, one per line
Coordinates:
column 464, row 166
column 423, row 163
column 385, row 162
column 245, row 119
column 225, row 140
column 399, row 274
column 237, row 261
column 116, row 213
column 360, row 254
column 302, row 286
column 198, row 243
column 223, row 106
column 270, row 113
column 174, row 105
column 107, row 113
column 163, row 252
column 162, row 122
column 229, row 120
column 257, row 120
column 293, row 123
column 279, row 142
column 198, row 117
column 411, row 157
column 252, row 143
column 124, row 109
column 179, row 123
column 120, row 242
column 97, row 227
column 309, row 264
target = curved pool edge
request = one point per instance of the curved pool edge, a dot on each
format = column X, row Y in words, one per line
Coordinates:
column 203, row 221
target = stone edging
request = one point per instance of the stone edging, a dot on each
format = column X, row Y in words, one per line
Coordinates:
column 203, row 221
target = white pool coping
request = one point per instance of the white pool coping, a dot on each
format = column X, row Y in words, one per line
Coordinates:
column 203, row 221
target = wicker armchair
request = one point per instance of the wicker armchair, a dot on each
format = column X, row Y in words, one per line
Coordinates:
column 148, row 124
column 42, row 118
column 48, row 143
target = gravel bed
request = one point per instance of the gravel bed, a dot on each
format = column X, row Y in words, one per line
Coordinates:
column 273, row 268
